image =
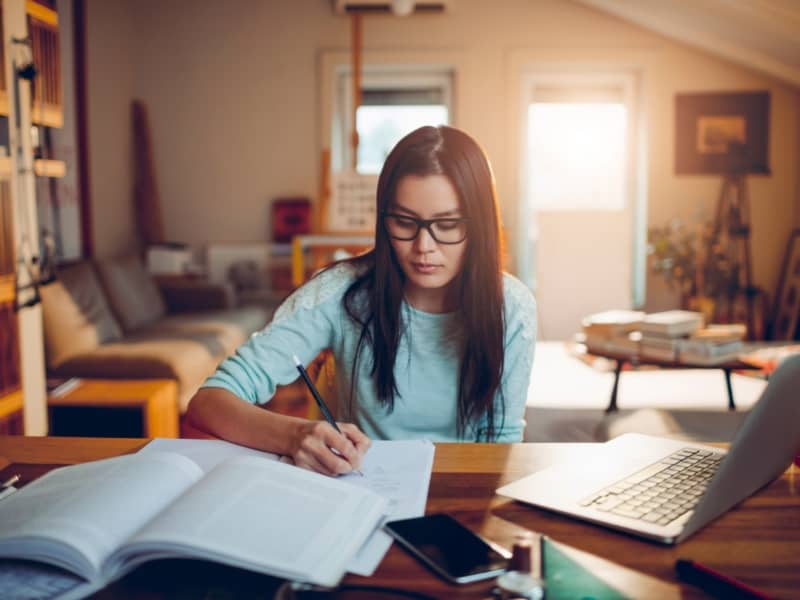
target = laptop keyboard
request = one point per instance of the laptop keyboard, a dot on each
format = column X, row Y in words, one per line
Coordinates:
column 664, row 492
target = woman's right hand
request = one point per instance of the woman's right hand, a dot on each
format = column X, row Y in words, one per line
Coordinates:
column 317, row 446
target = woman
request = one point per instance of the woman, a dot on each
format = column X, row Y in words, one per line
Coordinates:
column 430, row 338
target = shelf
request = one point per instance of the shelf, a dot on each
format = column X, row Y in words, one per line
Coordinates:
column 11, row 417
column 42, row 13
column 10, row 404
column 320, row 246
column 47, row 115
column 41, row 168
column 6, row 288
column 49, row 168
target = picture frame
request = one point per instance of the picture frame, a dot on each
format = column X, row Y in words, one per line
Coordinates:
column 721, row 133
column 785, row 322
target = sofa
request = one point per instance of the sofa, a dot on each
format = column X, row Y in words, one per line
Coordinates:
column 112, row 319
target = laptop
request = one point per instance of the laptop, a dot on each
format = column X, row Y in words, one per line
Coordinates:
column 664, row 489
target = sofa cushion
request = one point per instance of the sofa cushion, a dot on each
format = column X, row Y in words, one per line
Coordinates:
column 76, row 316
column 133, row 294
column 187, row 348
column 232, row 326
column 182, row 359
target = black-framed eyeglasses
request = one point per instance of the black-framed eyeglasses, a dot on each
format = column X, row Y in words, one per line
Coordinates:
column 445, row 230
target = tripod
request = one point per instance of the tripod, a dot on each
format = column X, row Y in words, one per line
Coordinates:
column 732, row 232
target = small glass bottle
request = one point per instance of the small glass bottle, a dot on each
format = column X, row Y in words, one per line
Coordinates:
column 518, row 582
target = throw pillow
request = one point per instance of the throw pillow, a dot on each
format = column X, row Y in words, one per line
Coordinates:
column 133, row 294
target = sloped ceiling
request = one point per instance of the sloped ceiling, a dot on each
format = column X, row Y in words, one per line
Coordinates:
column 763, row 35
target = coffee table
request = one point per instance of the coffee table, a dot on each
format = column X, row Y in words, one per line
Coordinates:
column 638, row 360
column 116, row 408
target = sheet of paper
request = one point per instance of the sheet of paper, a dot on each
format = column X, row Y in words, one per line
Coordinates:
column 205, row 453
column 401, row 472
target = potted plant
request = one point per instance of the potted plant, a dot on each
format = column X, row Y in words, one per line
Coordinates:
column 692, row 261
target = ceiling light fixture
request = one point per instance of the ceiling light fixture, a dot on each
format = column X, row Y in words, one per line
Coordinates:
column 402, row 8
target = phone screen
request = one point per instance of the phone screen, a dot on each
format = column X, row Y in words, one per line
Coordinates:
column 448, row 547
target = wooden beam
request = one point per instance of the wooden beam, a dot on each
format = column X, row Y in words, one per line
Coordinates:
column 355, row 50
column 82, row 118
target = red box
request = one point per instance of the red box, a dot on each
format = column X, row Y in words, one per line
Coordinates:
column 290, row 217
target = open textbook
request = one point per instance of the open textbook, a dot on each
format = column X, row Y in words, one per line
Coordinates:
column 101, row 519
column 398, row 470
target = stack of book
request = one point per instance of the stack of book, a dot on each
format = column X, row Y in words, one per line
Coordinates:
column 713, row 345
column 663, row 333
column 613, row 331
column 669, row 336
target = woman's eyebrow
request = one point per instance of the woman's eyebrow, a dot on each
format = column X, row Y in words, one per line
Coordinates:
column 454, row 212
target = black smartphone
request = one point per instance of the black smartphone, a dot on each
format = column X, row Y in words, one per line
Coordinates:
column 450, row 549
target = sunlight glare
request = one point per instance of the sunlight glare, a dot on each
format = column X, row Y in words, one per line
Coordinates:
column 577, row 155
column 381, row 127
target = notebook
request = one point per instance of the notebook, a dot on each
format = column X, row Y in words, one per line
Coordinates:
column 665, row 489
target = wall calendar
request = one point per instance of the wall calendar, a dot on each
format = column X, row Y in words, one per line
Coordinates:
column 351, row 207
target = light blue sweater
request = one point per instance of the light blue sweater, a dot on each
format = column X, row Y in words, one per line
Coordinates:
column 426, row 368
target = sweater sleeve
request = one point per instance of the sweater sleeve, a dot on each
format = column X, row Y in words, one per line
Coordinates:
column 520, row 344
column 307, row 322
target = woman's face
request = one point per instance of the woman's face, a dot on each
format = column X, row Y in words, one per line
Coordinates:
column 431, row 267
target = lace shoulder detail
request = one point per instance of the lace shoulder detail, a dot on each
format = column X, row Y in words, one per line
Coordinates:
column 318, row 290
column 520, row 305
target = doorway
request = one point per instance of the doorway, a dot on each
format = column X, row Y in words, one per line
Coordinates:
column 583, row 234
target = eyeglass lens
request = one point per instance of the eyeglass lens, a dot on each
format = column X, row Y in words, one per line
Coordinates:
column 445, row 231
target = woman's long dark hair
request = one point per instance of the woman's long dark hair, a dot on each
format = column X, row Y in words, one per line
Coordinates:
column 454, row 154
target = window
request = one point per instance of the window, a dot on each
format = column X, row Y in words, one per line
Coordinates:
column 582, row 176
column 394, row 102
column 577, row 149
column 576, row 155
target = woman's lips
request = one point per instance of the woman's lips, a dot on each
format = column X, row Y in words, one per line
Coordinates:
column 425, row 268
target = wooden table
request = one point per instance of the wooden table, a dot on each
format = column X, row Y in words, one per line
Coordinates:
column 146, row 407
column 758, row 542
column 634, row 359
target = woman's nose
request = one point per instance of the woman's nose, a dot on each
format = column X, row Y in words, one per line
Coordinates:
column 424, row 241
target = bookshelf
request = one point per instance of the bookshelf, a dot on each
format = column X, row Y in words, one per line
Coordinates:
column 10, row 381
column 46, row 111
column 43, row 29
column 41, row 168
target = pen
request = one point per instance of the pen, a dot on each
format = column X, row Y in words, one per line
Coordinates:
column 320, row 402
column 7, row 487
column 714, row 583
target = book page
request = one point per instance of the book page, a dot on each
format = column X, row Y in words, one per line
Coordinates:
column 400, row 471
column 206, row 454
column 25, row 580
column 266, row 516
column 84, row 512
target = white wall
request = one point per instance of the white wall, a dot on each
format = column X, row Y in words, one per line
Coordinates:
column 112, row 48
column 233, row 94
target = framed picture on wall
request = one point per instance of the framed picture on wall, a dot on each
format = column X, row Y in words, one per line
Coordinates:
column 718, row 133
column 786, row 312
